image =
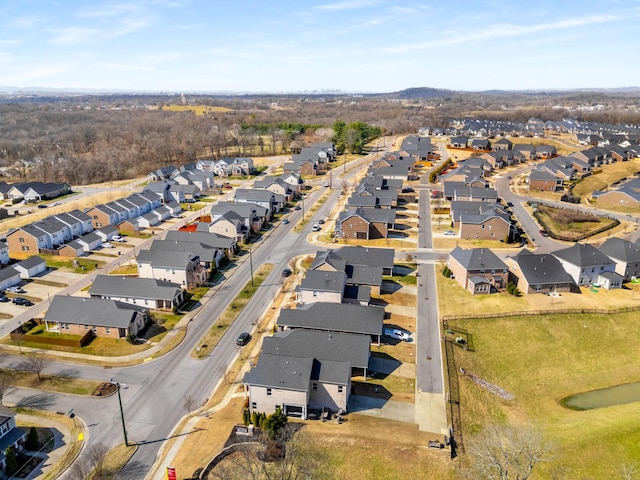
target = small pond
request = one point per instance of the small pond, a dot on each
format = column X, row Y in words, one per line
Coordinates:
column 606, row 397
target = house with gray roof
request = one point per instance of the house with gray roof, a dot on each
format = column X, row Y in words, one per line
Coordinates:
column 210, row 257
column 539, row 273
column 418, row 146
column 76, row 223
column 322, row 286
column 183, row 268
column 31, row 267
column 299, row 385
column 4, row 254
column 90, row 241
column 274, row 202
column 334, row 317
column 214, row 240
column 368, row 256
column 625, row 254
column 478, row 270
column 106, row 318
column 365, row 223
column 475, row 194
column 9, row 277
column 587, row 265
column 336, row 346
column 143, row 292
column 10, row 435
column 254, row 216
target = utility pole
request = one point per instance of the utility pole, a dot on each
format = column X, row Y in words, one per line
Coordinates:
column 124, row 427
column 251, row 264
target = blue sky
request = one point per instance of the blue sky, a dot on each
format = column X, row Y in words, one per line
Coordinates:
column 351, row 45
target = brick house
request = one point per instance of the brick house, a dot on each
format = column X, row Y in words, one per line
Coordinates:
column 478, row 270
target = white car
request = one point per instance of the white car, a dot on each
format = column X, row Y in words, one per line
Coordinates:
column 315, row 228
column 396, row 334
column 118, row 238
column 106, row 245
column 15, row 290
column 450, row 232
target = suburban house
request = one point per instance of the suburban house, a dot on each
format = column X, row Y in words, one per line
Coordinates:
column 27, row 240
column 475, row 194
column 89, row 242
column 340, row 347
column 143, row 292
column 587, row 265
column 417, row 146
column 334, row 317
column 32, row 192
column 102, row 215
column 226, row 244
column 10, row 435
column 478, row 270
column 367, row 256
column 183, row 268
column 9, row 277
column 106, row 318
column 31, row 267
column 4, row 254
column 229, row 224
column 210, row 257
column 459, row 142
column 277, row 185
column 254, row 216
column 322, row 286
column 542, row 180
column 480, row 144
column 502, row 144
column 163, row 173
column 274, row 202
column 297, row 385
column 481, row 220
column 626, row 194
column 365, row 223
column 625, row 254
column 540, row 273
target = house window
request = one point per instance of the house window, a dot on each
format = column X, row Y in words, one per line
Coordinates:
column 25, row 248
column 86, row 327
column 314, row 386
column 268, row 392
column 315, row 294
column 95, row 329
column 340, row 389
column 21, row 240
column 254, row 405
column 108, row 330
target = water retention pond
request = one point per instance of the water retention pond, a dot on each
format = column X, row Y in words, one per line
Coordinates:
column 606, row 397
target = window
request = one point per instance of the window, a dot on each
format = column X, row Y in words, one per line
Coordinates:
column 25, row 248
column 314, row 386
column 254, row 405
column 108, row 330
column 95, row 329
column 340, row 389
column 86, row 327
column 21, row 240
column 268, row 392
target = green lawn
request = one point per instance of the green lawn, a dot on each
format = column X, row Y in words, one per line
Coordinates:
column 84, row 265
column 541, row 359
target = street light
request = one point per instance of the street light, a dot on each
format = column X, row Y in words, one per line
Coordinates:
column 251, row 266
column 124, row 428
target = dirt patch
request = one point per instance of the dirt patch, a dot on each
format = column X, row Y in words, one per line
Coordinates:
column 105, row 389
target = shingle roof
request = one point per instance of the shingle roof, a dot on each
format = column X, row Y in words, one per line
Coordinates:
column 323, row 281
column 338, row 317
column 134, row 287
column 620, row 249
column 31, row 262
column 583, row 255
column 477, row 259
column 91, row 311
column 166, row 259
column 284, row 372
column 541, row 268
column 342, row 347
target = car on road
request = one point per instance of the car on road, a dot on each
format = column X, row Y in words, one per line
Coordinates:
column 227, row 185
column 42, row 205
column 544, row 233
column 321, row 222
column 285, row 221
column 118, row 238
column 243, row 339
column 509, row 204
column 449, row 232
column 25, row 302
column 315, row 228
column 286, row 272
column 408, row 190
column 297, row 207
column 396, row 334
column 106, row 245
column 55, row 204
column 326, row 184
column 16, row 290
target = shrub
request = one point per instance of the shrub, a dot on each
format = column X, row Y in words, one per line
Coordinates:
column 446, row 271
column 32, row 439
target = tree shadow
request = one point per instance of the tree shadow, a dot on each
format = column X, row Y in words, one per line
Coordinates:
column 40, row 401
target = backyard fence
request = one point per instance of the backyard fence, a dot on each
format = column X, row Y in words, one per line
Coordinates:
column 523, row 313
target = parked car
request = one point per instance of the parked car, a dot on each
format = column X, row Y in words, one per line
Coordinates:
column 106, row 245
column 4, row 299
column 396, row 334
column 42, row 205
column 118, row 238
column 321, row 222
column 243, row 339
column 16, row 289
column 407, row 190
column 315, row 228
column 22, row 301
column 286, row 272
column 55, row 204
column 285, row 221
column 326, row 184
column 227, row 185
column 297, row 207
column 449, row 232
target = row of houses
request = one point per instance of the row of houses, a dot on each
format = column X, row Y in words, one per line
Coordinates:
column 204, row 170
column 481, row 271
column 306, row 367
column 32, row 192
column 312, row 160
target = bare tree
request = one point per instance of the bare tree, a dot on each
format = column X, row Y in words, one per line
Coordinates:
column 7, row 385
column 190, row 403
column 35, row 363
column 96, row 455
column 629, row 471
column 506, row 453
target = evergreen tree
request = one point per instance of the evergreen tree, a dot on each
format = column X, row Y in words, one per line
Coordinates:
column 11, row 461
column 32, row 439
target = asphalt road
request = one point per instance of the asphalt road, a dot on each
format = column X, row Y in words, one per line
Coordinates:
column 156, row 391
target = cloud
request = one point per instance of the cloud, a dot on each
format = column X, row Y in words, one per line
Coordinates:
column 74, row 35
column 348, row 5
column 127, row 67
column 506, row 30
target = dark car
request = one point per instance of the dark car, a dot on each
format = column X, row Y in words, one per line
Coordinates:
column 22, row 301
column 3, row 299
column 297, row 207
column 321, row 222
column 286, row 272
column 243, row 339
column 42, row 205
column 407, row 190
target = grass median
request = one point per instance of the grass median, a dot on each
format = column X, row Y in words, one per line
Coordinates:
column 215, row 333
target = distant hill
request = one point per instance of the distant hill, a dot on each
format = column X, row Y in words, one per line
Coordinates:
column 420, row 93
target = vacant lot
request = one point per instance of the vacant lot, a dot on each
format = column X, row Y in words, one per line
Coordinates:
column 570, row 224
column 541, row 359
column 607, row 175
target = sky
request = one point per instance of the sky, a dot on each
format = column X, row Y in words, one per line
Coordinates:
column 189, row 46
